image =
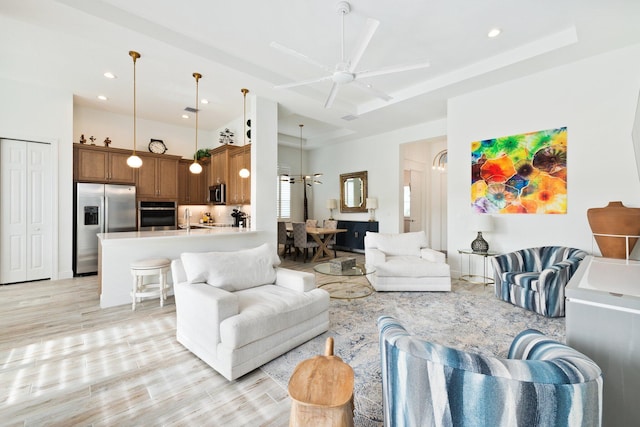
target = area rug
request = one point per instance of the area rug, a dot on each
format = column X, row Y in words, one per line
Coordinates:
column 466, row 319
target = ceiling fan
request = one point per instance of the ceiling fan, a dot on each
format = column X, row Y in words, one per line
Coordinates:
column 345, row 71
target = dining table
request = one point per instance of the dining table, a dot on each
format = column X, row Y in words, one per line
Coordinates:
column 322, row 236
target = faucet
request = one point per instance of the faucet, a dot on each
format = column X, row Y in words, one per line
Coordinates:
column 187, row 217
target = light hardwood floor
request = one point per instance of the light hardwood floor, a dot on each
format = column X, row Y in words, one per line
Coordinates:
column 64, row 361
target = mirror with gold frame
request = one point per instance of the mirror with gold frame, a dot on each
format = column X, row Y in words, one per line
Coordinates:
column 353, row 192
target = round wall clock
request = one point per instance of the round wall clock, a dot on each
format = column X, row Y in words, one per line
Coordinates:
column 157, row 146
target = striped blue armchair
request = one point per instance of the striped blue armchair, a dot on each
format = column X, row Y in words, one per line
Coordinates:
column 535, row 278
column 542, row 383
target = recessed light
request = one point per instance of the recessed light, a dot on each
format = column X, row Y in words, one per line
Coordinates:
column 110, row 75
column 185, row 116
column 204, row 101
column 494, row 32
column 102, row 98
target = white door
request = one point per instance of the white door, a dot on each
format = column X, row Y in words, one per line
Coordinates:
column 25, row 219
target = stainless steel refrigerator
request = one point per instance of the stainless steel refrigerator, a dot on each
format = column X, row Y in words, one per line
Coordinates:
column 99, row 208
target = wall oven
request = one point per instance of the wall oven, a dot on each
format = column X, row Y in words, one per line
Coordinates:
column 157, row 216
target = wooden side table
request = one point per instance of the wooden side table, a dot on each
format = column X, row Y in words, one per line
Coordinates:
column 477, row 279
column 321, row 390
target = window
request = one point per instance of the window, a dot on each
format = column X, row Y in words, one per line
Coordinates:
column 283, row 207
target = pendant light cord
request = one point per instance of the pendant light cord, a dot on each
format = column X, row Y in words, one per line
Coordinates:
column 197, row 77
column 135, row 55
column 301, row 174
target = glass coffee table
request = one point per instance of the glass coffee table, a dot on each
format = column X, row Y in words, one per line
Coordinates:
column 345, row 289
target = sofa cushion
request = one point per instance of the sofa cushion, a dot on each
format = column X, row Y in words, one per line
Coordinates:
column 268, row 309
column 232, row 271
column 410, row 266
column 399, row 244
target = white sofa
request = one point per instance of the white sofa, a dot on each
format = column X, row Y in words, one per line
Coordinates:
column 237, row 310
column 403, row 262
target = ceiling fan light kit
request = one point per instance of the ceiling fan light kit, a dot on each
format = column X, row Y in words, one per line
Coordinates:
column 345, row 71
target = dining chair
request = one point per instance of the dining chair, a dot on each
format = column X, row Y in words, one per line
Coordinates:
column 284, row 238
column 301, row 241
column 331, row 224
column 311, row 223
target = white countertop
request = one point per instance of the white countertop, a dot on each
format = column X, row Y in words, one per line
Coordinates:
column 606, row 281
column 118, row 250
column 612, row 275
column 194, row 232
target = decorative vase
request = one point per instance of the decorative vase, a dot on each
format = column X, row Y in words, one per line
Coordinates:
column 617, row 220
column 480, row 245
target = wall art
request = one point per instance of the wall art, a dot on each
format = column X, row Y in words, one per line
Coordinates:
column 520, row 174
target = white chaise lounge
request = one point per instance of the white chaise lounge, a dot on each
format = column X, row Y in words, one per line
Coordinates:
column 237, row 310
column 403, row 262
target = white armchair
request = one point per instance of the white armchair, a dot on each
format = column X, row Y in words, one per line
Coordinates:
column 403, row 262
column 238, row 310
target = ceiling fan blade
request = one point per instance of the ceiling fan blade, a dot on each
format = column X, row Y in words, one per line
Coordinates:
column 363, row 42
column 302, row 82
column 375, row 92
column 299, row 55
column 332, row 96
column 389, row 70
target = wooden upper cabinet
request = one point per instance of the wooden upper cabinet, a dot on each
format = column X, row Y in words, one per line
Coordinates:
column 239, row 189
column 101, row 164
column 192, row 188
column 218, row 171
column 157, row 178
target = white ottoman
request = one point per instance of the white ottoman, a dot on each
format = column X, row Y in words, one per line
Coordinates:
column 149, row 267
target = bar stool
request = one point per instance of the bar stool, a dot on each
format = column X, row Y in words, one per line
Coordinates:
column 149, row 267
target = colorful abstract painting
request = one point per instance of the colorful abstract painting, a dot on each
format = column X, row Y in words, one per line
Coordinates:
column 524, row 173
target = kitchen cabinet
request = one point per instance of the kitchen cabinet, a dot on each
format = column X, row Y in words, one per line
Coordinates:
column 239, row 189
column 157, row 178
column 353, row 239
column 218, row 171
column 101, row 164
column 192, row 188
column 225, row 164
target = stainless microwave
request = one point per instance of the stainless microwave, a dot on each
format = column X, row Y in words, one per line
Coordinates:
column 218, row 194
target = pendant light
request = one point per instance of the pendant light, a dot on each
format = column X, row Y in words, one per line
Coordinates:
column 244, row 172
column 302, row 178
column 195, row 167
column 134, row 161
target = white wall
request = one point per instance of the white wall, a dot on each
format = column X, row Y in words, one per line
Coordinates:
column 289, row 156
column 595, row 99
column 378, row 155
column 180, row 140
column 35, row 113
column 264, row 163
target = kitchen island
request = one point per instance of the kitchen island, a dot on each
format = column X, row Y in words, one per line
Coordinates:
column 118, row 250
column 603, row 322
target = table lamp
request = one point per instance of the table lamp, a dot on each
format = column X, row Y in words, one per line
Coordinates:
column 372, row 205
column 480, row 223
column 331, row 205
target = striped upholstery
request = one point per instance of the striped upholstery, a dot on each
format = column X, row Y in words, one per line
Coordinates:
column 542, row 383
column 535, row 278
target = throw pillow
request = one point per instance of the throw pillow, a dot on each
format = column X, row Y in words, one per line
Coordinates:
column 403, row 243
column 232, row 271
